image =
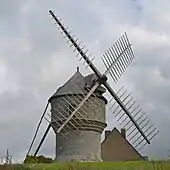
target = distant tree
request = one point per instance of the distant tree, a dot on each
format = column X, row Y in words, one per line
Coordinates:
column 7, row 157
column 10, row 159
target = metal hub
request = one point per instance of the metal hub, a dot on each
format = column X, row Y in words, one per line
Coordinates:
column 102, row 79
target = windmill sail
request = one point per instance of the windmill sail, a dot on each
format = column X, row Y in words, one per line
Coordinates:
column 77, row 45
column 43, row 138
column 69, row 117
column 121, row 47
column 135, row 138
column 38, row 126
column 118, row 57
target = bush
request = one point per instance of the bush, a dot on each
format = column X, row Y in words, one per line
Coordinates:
column 37, row 159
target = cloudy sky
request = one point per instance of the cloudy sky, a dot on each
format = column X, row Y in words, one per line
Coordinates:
column 35, row 60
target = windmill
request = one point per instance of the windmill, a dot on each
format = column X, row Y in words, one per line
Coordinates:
column 78, row 116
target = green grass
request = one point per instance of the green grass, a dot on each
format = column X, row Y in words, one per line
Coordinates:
column 159, row 165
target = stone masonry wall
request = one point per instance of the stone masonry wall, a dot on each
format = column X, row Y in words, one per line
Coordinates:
column 92, row 110
column 83, row 144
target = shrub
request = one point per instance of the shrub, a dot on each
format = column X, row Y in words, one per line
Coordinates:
column 37, row 159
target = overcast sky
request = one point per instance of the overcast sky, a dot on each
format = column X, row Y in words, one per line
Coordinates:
column 35, row 60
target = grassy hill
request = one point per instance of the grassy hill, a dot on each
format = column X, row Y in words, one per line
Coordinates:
column 159, row 165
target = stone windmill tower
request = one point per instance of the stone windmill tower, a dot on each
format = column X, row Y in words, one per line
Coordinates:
column 78, row 107
column 86, row 143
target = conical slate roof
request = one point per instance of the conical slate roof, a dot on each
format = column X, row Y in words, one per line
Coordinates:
column 76, row 85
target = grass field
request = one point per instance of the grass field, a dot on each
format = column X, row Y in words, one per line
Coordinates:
column 159, row 165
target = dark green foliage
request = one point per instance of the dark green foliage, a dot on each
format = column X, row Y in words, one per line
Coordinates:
column 37, row 159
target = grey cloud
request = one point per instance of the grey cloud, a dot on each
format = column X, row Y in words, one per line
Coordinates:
column 35, row 55
column 18, row 115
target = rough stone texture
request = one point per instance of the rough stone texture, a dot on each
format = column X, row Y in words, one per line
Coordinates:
column 83, row 144
column 94, row 110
